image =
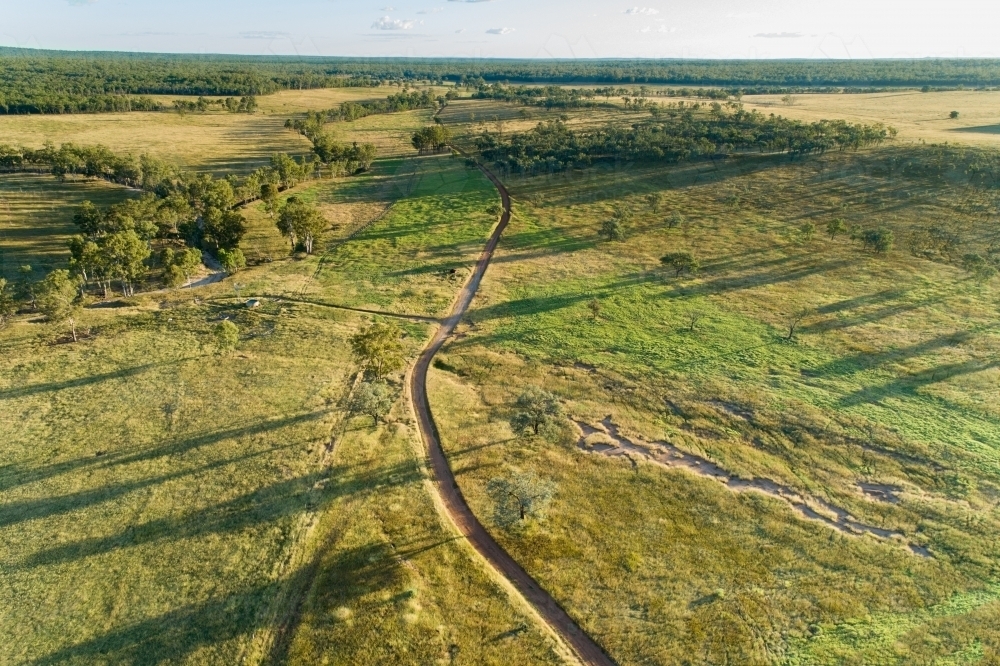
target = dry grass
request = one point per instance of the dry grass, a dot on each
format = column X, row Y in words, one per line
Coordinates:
column 36, row 218
column 918, row 116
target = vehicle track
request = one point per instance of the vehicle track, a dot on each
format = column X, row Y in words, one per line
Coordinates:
column 588, row 651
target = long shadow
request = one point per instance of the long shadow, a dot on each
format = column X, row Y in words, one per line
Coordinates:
column 860, row 362
column 19, row 512
column 261, row 506
column 862, row 301
column 868, row 317
column 723, row 284
column 13, row 476
column 125, row 373
column 533, row 305
column 910, row 384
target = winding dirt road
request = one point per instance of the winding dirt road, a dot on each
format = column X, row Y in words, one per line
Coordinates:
column 458, row 510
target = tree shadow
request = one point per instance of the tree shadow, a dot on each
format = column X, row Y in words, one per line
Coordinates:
column 866, row 361
column 910, row 384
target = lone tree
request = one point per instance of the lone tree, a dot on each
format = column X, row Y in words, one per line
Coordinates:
column 379, row 349
column 518, row 497
column 834, row 227
column 595, row 307
column 953, row 115
column 301, row 222
column 655, row 201
column 680, row 262
column 373, row 399
column 793, row 321
column 56, row 298
column 535, row 408
column 612, row 229
column 693, row 317
column 808, row 229
column 227, row 335
column 434, row 137
column 878, row 240
column 675, row 220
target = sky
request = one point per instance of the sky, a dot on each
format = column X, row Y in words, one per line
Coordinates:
column 512, row 28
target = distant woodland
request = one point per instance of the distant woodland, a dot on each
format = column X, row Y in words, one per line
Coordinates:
column 35, row 81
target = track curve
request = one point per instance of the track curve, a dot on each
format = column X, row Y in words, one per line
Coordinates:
column 588, row 651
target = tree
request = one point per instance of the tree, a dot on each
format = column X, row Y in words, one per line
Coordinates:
column 495, row 209
column 25, row 289
column 834, row 227
column 8, row 306
column 680, row 262
column 518, row 497
column 56, row 298
column 301, row 222
column 807, row 229
column 794, row 319
column 122, row 257
column 953, row 115
column 595, row 307
column 224, row 229
column 227, row 335
column 981, row 269
column 878, row 240
column 232, row 260
column 89, row 218
column 654, row 199
column 675, row 220
column 433, row 137
column 612, row 229
column 693, row 317
column 379, row 348
column 535, row 408
column 269, row 195
column 373, row 399
column 180, row 266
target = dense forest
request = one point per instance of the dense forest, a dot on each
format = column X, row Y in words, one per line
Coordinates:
column 680, row 133
column 35, row 81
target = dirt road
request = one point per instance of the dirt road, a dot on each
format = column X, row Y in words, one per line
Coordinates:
column 583, row 645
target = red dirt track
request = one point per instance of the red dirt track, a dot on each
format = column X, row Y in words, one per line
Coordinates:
column 583, row 645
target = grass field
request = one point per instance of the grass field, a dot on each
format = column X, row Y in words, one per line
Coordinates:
column 151, row 530
column 167, row 503
column 890, row 381
column 36, row 219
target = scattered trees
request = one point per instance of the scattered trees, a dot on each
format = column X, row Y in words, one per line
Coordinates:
column 535, row 409
column 681, row 262
column 373, row 399
column 57, row 295
column 518, row 497
column 301, row 222
column 379, row 348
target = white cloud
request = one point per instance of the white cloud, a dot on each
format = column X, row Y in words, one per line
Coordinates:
column 433, row 10
column 779, row 35
column 388, row 9
column 499, row 31
column 664, row 28
column 648, row 11
column 386, row 23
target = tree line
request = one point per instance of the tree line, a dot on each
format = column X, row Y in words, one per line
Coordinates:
column 676, row 134
column 38, row 81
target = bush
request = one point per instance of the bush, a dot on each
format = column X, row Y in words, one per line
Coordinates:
column 227, row 335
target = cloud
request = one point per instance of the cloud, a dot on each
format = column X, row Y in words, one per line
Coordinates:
column 388, row 9
column 648, row 11
column 499, row 31
column 779, row 35
column 262, row 34
column 386, row 23
column 433, row 10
